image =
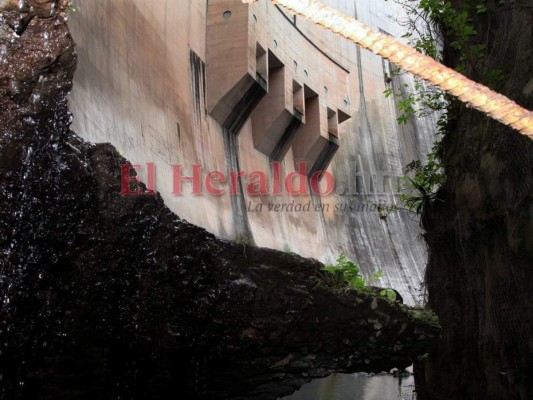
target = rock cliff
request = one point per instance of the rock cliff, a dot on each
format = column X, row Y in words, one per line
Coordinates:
column 480, row 234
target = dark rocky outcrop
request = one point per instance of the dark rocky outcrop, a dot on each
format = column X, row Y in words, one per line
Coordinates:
column 480, row 236
column 106, row 296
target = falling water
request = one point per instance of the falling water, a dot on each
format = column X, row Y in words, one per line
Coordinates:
column 357, row 387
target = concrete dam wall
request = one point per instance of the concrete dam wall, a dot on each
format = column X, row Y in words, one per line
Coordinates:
column 232, row 87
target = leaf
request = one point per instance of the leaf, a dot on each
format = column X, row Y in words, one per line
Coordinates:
column 402, row 119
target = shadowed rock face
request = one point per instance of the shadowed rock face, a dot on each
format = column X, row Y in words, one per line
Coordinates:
column 105, row 296
column 480, row 236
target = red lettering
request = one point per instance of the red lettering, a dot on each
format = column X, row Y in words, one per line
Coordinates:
column 215, row 177
column 315, row 183
column 126, row 179
column 195, row 178
column 257, row 187
column 301, row 175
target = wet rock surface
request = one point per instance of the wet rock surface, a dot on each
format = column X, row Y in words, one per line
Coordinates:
column 107, row 296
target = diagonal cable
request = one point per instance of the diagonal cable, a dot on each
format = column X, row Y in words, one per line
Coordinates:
column 469, row 92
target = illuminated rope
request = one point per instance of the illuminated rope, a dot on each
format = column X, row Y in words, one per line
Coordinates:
column 473, row 94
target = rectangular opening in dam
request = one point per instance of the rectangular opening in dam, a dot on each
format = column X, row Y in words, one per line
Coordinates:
column 298, row 99
column 261, row 65
column 333, row 125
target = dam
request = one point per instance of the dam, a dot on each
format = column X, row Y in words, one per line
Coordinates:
column 236, row 87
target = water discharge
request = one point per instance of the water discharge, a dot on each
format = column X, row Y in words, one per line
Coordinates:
column 357, row 387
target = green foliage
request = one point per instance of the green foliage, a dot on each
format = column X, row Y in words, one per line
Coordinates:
column 424, row 179
column 424, row 34
column 423, row 184
column 388, row 294
column 427, row 23
column 375, row 278
column 424, row 315
column 456, row 24
column 346, row 273
column 481, row 9
column 421, row 100
column 71, row 7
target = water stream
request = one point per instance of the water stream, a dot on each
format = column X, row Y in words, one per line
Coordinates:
column 357, row 387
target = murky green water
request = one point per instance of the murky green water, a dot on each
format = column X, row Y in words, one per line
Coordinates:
column 357, row 387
